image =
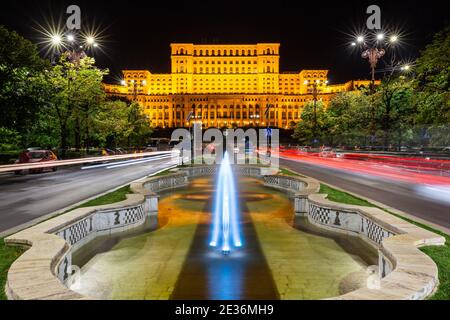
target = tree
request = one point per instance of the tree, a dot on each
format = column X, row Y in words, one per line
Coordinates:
column 111, row 123
column 120, row 123
column 9, row 139
column 139, row 126
column 350, row 118
column 21, row 89
column 393, row 106
column 77, row 90
column 432, row 81
column 304, row 132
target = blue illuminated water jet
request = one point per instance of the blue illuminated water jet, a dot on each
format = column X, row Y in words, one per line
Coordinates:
column 225, row 227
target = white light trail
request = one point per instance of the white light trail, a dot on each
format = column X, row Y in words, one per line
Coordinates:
column 60, row 163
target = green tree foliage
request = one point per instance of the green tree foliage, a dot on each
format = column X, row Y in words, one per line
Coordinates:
column 349, row 114
column 432, row 81
column 120, row 123
column 21, row 91
column 308, row 130
column 9, row 139
column 77, row 93
column 394, row 110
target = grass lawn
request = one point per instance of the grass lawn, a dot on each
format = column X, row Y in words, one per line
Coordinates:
column 440, row 254
column 163, row 173
column 342, row 197
column 115, row 196
column 7, row 256
column 287, row 172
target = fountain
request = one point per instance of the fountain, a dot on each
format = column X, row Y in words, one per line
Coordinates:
column 225, row 228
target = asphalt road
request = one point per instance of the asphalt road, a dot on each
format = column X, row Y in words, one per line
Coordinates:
column 403, row 196
column 25, row 198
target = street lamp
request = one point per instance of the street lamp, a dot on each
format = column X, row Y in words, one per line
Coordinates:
column 56, row 40
column 69, row 44
column 374, row 50
column 135, row 86
column 313, row 87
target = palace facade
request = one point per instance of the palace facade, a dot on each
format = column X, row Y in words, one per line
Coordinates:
column 226, row 86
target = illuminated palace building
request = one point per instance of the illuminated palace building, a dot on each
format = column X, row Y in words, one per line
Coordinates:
column 226, row 86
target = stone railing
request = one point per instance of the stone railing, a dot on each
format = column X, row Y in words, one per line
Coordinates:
column 300, row 187
column 249, row 170
column 404, row 271
column 158, row 184
column 43, row 270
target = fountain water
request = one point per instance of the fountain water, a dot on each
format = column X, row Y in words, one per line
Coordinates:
column 225, row 232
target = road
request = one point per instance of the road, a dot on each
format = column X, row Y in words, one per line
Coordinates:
column 28, row 197
column 405, row 196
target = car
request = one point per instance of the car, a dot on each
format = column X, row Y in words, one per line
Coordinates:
column 35, row 156
column 446, row 149
column 327, row 153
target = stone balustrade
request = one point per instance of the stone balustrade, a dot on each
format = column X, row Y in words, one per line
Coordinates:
column 41, row 272
column 242, row 170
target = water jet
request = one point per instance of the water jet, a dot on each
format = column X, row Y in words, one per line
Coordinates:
column 225, row 226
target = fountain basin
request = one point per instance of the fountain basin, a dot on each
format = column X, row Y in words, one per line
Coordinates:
column 49, row 250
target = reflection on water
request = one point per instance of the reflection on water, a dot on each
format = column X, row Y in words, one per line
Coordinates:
column 225, row 278
column 282, row 257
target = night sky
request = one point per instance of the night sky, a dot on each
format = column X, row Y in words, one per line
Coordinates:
column 313, row 34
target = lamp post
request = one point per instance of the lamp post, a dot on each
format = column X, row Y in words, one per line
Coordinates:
column 73, row 44
column 313, row 88
column 373, row 49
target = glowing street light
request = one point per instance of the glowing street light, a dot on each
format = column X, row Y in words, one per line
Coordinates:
column 393, row 39
column 380, row 36
column 71, row 38
column 56, row 39
column 405, row 68
column 90, row 40
column 360, row 39
column 123, row 82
